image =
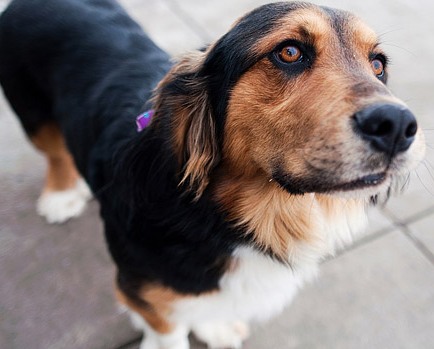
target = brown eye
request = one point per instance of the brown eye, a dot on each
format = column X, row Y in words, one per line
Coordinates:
column 378, row 67
column 290, row 54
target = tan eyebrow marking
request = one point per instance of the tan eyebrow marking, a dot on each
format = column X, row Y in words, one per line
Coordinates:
column 307, row 25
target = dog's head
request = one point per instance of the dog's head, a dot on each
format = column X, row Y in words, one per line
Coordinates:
column 293, row 93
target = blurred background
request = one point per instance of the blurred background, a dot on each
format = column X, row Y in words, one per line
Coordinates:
column 56, row 280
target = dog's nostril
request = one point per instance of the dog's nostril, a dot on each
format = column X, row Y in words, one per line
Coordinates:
column 383, row 129
column 411, row 130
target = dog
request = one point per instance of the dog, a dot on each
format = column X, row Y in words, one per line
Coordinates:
column 252, row 159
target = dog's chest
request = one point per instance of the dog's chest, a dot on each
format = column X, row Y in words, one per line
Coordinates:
column 258, row 286
column 256, row 289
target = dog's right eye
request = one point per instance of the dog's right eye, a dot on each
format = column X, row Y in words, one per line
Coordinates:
column 293, row 57
column 290, row 54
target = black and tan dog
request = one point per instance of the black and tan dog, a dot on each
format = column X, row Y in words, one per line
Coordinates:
column 262, row 154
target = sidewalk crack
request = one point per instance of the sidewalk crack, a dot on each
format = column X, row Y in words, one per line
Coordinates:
column 418, row 244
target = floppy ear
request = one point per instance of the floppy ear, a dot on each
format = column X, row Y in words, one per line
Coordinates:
column 182, row 97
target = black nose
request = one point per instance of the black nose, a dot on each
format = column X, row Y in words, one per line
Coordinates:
column 389, row 128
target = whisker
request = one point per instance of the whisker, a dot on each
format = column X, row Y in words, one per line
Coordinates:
column 427, row 189
column 406, row 182
column 389, row 31
column 427, row 166
column 402, row 48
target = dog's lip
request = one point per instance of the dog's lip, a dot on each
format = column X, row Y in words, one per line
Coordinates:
column 297, row 186
column 370, row 180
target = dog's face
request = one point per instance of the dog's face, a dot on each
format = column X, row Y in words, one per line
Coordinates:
column 295, row 93
column 314, row 113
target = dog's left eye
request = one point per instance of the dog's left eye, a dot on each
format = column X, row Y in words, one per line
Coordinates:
column 377, row 67
column 378, row 64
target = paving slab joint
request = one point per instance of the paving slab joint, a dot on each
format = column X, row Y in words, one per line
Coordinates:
column 409, row 220
column 132, row 343
column 418, row 244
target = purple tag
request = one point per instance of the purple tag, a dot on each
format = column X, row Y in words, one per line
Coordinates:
column 143, row 120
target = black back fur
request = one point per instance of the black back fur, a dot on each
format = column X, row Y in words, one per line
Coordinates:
column 87, row 66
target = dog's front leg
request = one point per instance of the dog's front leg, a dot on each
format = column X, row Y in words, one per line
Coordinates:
column 175, row 338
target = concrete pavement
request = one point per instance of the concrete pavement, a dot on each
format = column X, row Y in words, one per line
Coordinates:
column 56, row 281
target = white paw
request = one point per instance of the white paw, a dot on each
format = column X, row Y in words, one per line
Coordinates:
column 59, row 206
column 222, row 335
column 148, row 343
column 184, row 344
column 83, row 189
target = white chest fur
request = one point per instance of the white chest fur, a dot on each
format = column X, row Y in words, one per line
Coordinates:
column 259, row 286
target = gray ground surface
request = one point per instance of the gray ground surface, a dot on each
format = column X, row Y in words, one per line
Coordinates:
column 55, row 281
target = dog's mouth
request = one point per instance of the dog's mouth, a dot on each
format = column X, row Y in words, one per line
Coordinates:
column 368, row 181
column 302, row 186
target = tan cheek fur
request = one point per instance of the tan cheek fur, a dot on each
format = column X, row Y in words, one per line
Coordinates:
column 267, row 125
column 278, row 221
column 275, row 219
